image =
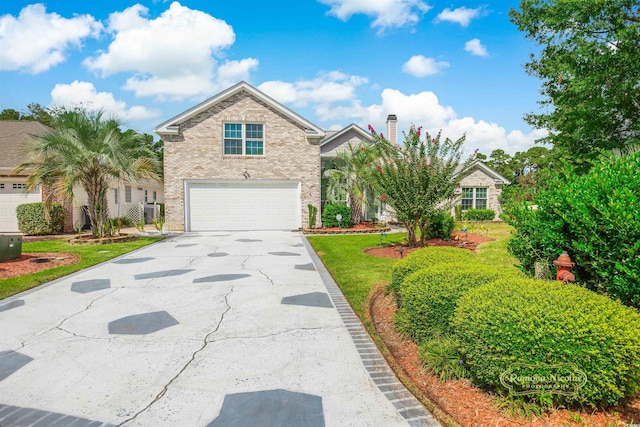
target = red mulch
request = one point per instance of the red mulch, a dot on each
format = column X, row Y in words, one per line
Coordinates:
column 23, row 265
column 459, row 239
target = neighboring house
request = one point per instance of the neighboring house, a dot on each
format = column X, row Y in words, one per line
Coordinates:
column 240, row 160
column 123, row 200
column 480, row 187
column 14, row 137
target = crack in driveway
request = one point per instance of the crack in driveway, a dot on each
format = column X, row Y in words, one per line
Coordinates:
column 59, row 325
column 205, row 343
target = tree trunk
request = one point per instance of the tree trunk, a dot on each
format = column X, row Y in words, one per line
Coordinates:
column 411, row 233
column 356, row 209
column 98, row 208
column 424, row 227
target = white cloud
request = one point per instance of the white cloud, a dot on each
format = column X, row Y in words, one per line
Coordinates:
column 475, row 48
column 174, row 55
column 36, row 40
column 461, row 15
column 420, row 66
column 424, row 109
column 231, row 72
column 327, row 89
column 386, row 13
column 85, row 94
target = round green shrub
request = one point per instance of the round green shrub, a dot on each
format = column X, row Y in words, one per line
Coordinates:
column 329, row 213
column 32, row 220
column 423, row 258
column 441, row 226
column 478, row 215
column 541, row 323
column 430, row 295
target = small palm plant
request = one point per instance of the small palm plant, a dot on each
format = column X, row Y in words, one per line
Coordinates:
column 88, row 150
column 349, row 174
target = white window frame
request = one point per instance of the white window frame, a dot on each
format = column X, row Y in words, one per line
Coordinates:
column 127, row 194
column 243, row 138
column 474, row 198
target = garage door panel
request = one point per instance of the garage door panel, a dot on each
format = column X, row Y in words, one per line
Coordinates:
column 9, row 201
column 244, row 205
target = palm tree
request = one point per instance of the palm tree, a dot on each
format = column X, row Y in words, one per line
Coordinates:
column 348, row 173
column 85, row 148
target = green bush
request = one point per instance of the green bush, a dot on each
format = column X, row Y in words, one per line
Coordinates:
column 32, row 220
column 424, row 258
column 478, row 215
column 594, row 217
column 441, row 225
column 536, row 322
column 430, row 295
column 329, row 213
column 443, row 357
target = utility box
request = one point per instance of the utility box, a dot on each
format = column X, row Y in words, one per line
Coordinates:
column 10, row 246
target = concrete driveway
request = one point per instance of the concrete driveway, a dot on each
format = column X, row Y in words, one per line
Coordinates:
column 201, row 329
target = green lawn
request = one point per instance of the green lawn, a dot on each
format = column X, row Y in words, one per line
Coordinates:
column 356, row 272
column 89, row 255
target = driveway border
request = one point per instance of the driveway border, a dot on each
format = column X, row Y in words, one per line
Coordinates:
column 406, row 404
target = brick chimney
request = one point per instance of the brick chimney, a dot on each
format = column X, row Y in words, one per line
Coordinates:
column 392, row 129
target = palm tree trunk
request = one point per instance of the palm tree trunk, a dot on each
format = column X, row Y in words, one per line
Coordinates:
column 356, row 209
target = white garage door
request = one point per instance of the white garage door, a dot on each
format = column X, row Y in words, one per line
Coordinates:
column 242, row 205
column 11, row 195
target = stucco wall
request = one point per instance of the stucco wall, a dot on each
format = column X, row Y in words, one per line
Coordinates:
column 197, row 153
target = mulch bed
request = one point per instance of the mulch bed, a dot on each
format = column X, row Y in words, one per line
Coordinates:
column 469, row 241
column 363, row 227
column 23, row 265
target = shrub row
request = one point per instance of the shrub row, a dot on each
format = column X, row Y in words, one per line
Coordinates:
column 478, row 215
column 430, row 295
column 478, row 321
column 543, row 323
column 32, row 220
column 423, row 258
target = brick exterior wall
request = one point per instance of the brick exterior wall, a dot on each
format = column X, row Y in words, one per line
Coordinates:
column 478, row 178
column 67, row 205
column 197, row 153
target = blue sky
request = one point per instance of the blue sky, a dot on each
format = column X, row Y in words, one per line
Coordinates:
column 455, row 66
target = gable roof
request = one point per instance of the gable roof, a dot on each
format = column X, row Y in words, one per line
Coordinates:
column 14, row 136
column 486, row 169
column 352, row 127
column 171, row 126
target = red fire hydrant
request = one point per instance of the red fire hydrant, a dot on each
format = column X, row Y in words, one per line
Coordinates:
column 564, row 265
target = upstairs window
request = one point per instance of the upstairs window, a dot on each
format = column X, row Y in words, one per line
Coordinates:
column 243, row 139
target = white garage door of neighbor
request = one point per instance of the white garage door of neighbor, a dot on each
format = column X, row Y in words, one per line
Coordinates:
column 243, row 205
column 10, row 198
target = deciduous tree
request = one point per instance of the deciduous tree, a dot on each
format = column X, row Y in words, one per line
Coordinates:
column 589, row 64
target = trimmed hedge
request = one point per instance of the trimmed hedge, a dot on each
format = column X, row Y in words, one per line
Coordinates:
column 329, row 213
column 540, row 322
column 430, row 295
column 32, row 220
column 478, row 215
column 424, row 258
